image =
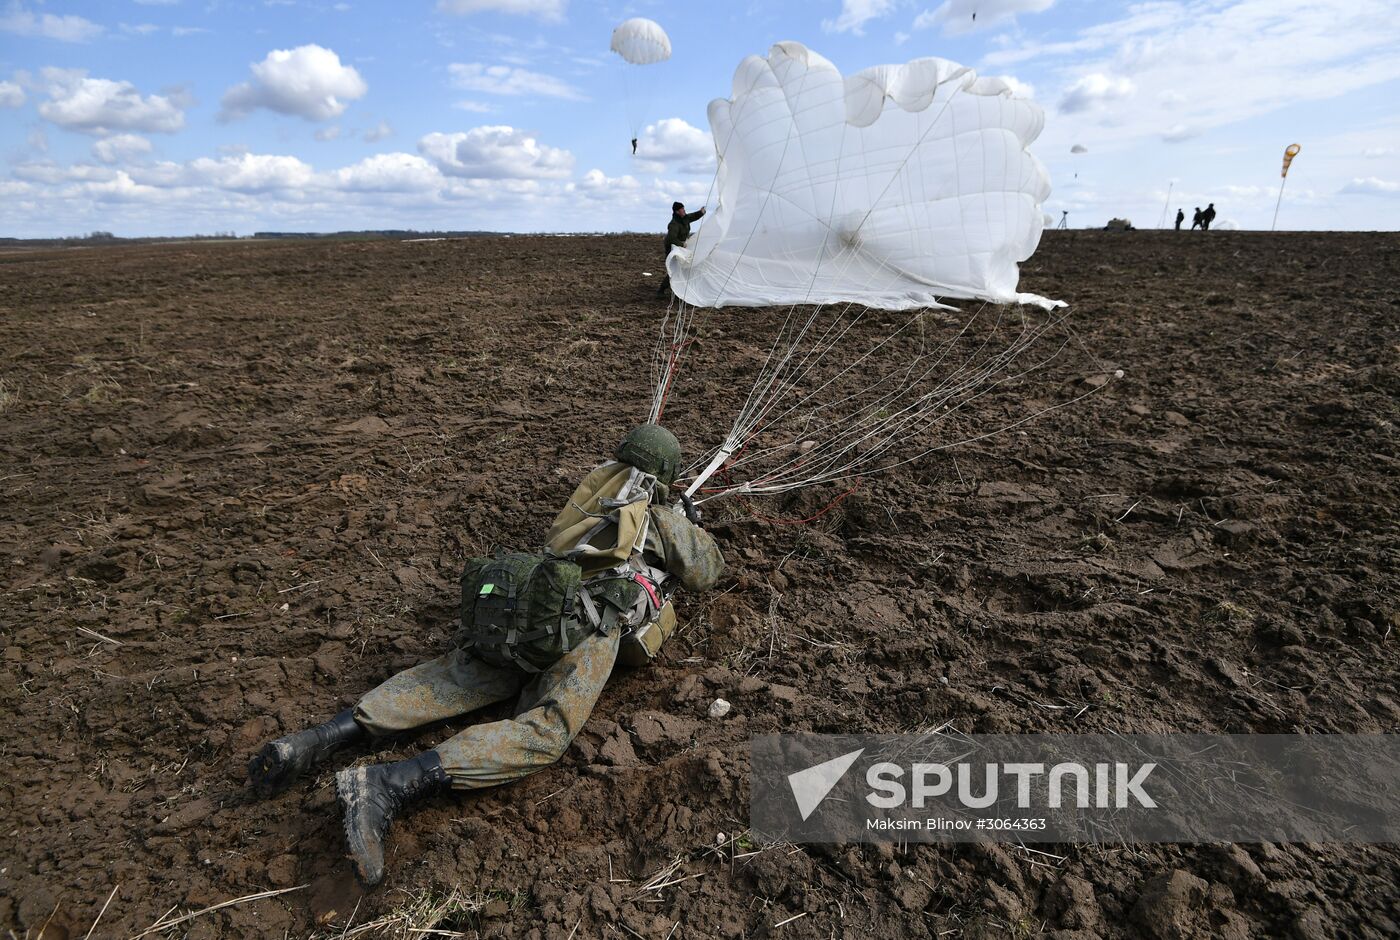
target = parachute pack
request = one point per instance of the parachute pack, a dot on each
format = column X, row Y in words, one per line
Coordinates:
column 519, row 609
column 530, row 609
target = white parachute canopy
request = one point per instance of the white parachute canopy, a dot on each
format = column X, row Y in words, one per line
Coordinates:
column 893, row 187
column 641, row 41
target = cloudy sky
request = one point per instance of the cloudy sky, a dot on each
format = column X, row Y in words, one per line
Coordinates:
column 161, row 117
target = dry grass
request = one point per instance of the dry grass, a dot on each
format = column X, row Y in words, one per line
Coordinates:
column 430, row 913
column 1232, row 615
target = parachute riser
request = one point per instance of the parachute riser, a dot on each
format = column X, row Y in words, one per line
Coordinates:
column 724, row 454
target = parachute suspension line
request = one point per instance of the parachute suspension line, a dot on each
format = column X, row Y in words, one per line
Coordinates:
column 681, row 326
column 899, row 386
column 743, row 429
column 745, row 419
column 760, row 387
column 746, row 422
column 1273, row 226
column 836, row 473
column 838, row 458
column 688, row 324
column 753, row 421
column 866, row 423
column 773, row 520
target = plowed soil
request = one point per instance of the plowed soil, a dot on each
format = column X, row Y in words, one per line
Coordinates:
column 238, row 481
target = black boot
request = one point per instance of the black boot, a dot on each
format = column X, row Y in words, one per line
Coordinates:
column 370, row 798
column 281, row 762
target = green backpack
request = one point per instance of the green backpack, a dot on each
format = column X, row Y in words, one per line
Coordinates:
column 518, row 609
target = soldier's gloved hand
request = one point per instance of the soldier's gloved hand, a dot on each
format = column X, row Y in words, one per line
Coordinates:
column 691, row 512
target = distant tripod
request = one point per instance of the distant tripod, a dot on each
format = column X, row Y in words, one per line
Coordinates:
column 1064, row 221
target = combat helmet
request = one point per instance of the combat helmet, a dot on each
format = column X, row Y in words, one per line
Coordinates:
column 652, row 449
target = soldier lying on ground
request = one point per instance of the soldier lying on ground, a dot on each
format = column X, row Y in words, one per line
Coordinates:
column 546, row 626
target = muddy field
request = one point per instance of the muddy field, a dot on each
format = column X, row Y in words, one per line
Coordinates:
column 238, row 481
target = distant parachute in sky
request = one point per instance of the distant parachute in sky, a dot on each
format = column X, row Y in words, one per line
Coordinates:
column 1079, row 148
column 641, row 41
column 894, row 187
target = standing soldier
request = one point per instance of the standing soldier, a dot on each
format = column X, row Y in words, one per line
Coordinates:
column 1196, row 219
column 1207, row 217
column 677, row 234
column 1180, row 217
column 547, row 627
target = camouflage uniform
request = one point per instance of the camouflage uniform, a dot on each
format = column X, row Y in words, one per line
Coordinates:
column 553, row 704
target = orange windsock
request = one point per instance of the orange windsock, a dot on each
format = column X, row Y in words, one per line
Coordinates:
column 1288, row 156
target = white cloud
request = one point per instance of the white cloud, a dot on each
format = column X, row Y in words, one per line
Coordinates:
column 544, row 9
column 140, row 29
column 250, row 173
column 1018, row 88
column 1371, row 186
column 475, row 107
column 1241, row 194
column 51, row 173
column 672, row 140
column 389, row 173
column 495, row 152
column 308, row 82
column 1373, row 153
column 68, row 28
column 250, row 192
column 102, row 106
column 180, row 32
column 647, row 202
column 378, row 132
column 596, row 181
column 963, row 16
column 855, row 14
column 1093, row 91
column 123, row 148
column 1179, row 132
column 163, row 175
column 11, row 95
column 1205, row 64
column 121, row 188
column 509, row 80
column 324, row 134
